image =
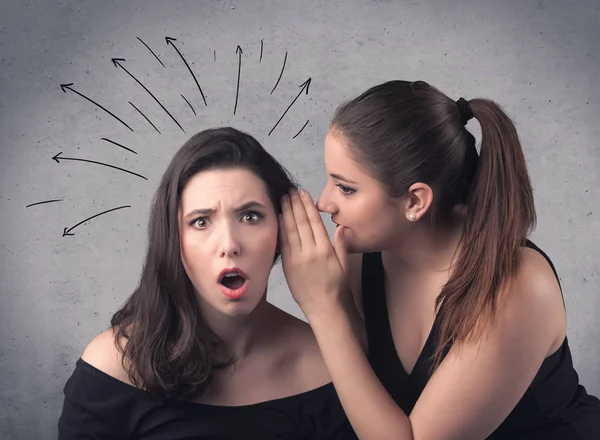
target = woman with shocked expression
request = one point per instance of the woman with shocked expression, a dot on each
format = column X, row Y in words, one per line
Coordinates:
column 228, row 240
column 197, row 351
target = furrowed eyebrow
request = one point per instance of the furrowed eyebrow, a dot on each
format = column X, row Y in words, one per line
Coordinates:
column 209, row 211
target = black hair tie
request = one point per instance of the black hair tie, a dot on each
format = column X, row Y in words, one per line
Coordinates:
column 465, row 110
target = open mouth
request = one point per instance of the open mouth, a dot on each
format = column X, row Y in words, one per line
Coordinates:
column 232, row 280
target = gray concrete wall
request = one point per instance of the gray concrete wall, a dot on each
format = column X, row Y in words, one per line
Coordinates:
column 539, row 59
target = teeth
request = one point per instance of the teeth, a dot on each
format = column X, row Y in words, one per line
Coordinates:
column 231, row 274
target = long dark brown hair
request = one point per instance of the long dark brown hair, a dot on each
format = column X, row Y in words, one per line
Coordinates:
column 167, row 348
column 406, row 132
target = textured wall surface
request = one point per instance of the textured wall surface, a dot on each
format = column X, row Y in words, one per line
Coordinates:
column 539, row 59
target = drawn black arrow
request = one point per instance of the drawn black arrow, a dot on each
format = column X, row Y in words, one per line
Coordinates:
column 66, row 231
column 68, row 86
column 46, row 201
column 169, row 41
column 261, row 51
column 280, row 74
column 303, row 127
column 148, row 47
column 304, row 86
column 145, row 117
column 118, row 145
column 188, row 103
column 93, row 161
column 117, row 62
column 238, row 51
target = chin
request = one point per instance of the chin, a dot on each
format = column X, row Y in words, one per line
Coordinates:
column 353, row 247
column 237, row 310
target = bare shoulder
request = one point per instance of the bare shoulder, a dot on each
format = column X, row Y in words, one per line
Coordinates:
column 354, row 274
column 300, row 353
column 535, row 294
column 536, row 280
column 103, row 354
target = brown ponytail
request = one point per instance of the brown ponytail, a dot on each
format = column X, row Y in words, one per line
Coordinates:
column 500, row 215
column 406, row 132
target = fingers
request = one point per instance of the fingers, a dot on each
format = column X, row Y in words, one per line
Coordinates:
column 303, row 224
column 339, row 244
column 321, row 237
column 284, row 246
column 291, row 237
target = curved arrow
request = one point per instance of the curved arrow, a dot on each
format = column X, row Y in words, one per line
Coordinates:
column 169, row 41
column 93, row 161
column 117, row 63
column 66, row 231
column 68, row 86
column 304, row 87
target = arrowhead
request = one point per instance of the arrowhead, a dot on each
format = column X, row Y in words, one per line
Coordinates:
column 239, row 49
column 66, row 232
column 65, row 86
column 116, row 61
column 56, row 157
column 306, row 84
column 170, row 39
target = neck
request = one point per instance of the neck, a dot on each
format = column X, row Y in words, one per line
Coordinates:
column 241, row 335
column 425, row 250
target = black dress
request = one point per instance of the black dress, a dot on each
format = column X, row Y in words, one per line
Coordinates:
column 100, row 407
column 555, row 406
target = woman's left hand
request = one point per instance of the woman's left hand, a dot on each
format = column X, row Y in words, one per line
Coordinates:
column 314, row 269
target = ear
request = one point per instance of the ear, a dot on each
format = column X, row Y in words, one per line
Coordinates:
column 418, row 199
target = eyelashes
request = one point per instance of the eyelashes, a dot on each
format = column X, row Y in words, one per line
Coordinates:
column 346, row 190
column 254, row 215
column 257, row 214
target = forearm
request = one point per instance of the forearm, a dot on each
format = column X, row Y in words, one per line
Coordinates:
column 371, row 410
column 357, row 324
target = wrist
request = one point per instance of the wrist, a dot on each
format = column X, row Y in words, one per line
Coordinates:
column 326, row 314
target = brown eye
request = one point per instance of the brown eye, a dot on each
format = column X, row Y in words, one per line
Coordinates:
column 251, row 217
column 201, row 223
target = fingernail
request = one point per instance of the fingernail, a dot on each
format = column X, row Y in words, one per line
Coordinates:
column 285, row 198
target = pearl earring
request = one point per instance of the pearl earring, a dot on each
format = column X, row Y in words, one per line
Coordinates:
column 412, row 217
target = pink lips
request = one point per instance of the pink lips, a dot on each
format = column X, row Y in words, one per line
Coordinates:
column 233, row 293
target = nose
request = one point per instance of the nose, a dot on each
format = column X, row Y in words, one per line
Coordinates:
column 325, row 202
column 229, row 245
